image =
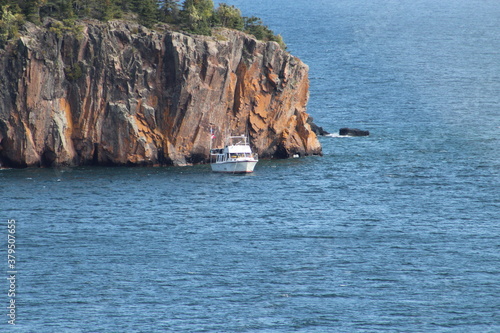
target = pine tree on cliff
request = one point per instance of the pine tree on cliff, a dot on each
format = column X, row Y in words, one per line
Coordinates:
column 31, row 9
column 229, row 17
column 9, row 23
column 148, row 12
column 107, row 11
column 169, row 10
column 197, row 15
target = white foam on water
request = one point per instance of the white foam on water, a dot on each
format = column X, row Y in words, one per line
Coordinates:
column 337, row 135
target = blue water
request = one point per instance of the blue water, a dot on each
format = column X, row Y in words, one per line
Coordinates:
column 395, row 232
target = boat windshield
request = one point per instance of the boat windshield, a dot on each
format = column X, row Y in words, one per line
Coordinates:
column 240, row 155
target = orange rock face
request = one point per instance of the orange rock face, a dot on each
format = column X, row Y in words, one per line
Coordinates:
column 123, row 94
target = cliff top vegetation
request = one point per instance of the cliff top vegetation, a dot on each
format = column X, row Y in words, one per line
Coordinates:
column 193, row 16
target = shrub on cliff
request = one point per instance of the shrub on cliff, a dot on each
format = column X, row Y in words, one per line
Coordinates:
column 68, row 26
column 74, row 72
column 255, row 26
column 199, row 16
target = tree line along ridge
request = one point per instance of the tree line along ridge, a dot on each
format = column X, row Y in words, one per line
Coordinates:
column 193, row 16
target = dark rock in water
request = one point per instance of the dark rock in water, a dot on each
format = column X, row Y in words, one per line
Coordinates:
column 353, row 132
column 315, row 128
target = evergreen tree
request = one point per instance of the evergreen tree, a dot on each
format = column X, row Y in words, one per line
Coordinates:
column 169, row 10
column 13, row 6
column 32, row 9
column 197, row 16
column 84, row 8
column 108, row 10
column 229, row 17
column 148, row 13
column 9, row 24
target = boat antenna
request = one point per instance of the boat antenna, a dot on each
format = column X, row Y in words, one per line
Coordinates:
column 212, row 137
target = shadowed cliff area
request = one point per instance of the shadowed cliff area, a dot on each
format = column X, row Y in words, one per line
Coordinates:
column 121, row 94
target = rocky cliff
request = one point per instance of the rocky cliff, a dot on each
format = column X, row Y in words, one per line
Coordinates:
column 119, row 93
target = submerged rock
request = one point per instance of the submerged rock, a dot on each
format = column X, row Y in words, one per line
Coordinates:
column 123, row 94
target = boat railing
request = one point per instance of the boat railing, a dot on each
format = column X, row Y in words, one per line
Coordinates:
column 220, row 157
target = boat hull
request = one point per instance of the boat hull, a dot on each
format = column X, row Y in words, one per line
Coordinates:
column 234, row 166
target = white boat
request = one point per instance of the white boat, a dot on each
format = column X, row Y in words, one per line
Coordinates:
column 235, row 157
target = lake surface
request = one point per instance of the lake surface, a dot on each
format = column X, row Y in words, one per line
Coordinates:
column 395, row 232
